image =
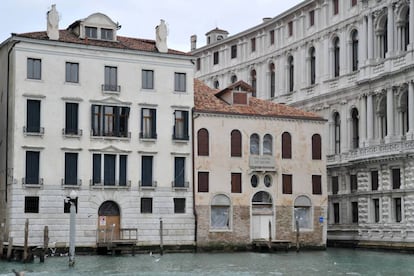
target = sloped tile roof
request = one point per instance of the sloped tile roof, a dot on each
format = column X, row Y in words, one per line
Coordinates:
column 207, row 100
column 122, row 42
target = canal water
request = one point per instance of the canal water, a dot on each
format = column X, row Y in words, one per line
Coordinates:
column 329, row 262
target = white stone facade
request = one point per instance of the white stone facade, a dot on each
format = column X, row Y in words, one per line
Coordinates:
column 51, row 142
column 352, row 64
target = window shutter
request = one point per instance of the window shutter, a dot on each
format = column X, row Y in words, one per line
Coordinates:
column 203, row 179
column 236, row 143
column 154, row 123
column 146, row 171
column 33, row 116
column 316, row 147
column 287, row 184
column 316, row 185
column 32, row 167
column 286, row 146
column 185, row 115
column 71, row 168
column 203, row 142
column 96, row 168
column 179, row 172
column 123, row 170
column 109, row 169
column 236, row 183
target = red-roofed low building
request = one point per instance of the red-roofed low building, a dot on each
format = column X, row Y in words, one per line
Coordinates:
column 107, row 116
column 259, row 167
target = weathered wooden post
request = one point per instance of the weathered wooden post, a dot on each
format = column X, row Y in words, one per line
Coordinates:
column 1, row 240
column 9, row 248
column 43, row 252
column 297, row 236
column 26, row 237
column 161, row 238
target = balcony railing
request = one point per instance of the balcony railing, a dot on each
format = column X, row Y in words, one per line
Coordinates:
column 116, row 185
column 110, row 135
column 34, row 131
column 72, row 132
column 152, row 185
column 66, row 183
column 144, row 135
column 32, row 182
column 111, row 88
column 180, row 185
column 262, row 162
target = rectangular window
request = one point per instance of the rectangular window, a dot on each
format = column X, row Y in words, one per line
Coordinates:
column 148, row 123
column 311, row 18
column 34, row 68
column 91, row 32
column 353, row 3
column 71, row 168
column 336, row 212
column 272, row 37
column 236, row 183
column 396, row 178
column 179, row 172
column 215, row 57
column 72, row 72
column 107, row 34
column 316, row 184
column 110, row 121
column 397, row 209
column 66, row 205
column 179, row 205
column 286, row 183
column 253, row 44
column 31, row 204
column 335, row 6
column 180, row 125
column 376, row 213
column 33, row 116
column 180, row 82
column 109, row 169
column 354, row 212
column 111, row 79
column 114, row 169
column 335, row 185
column 146, row 205
column 290, row 28
column 374, row 180
column 203, row 178
column 71, row 119
column 198, row 64
column 32, row 167
column 146, row 171
column 96, row 174
column 233, row 51
column 147, row 79
column 354, row 183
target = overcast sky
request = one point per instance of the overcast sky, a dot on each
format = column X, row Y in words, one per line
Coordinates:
column 139, row 17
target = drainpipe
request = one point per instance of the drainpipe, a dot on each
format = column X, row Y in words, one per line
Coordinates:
column 192, row 156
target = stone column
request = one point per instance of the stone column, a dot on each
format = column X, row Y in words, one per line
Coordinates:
column 390, row 30
column 390, row 114
column 399, row 39
column 371, row 37
column 344, row 127
column 363, row 123
column 411, row 24
column 331, row 138
column 364, row 41
column 370, row 118
column 410, row 110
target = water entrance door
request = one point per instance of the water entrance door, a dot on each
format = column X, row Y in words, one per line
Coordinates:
column 108, row 222
column 262, row 216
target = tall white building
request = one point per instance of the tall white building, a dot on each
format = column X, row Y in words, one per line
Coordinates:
column 107, row 116
column 351, row 62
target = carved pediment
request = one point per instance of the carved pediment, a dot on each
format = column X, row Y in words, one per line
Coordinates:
column 110, row 101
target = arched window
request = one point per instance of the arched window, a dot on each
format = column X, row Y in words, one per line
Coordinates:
column 267, row 144
column 203, row 142
column 286, row 145
column 337, row 133
column 381, row 33
column 291, row 73
column 303, row 212
column 236, row 143
column 220, row 212
column 216, row 84
column 355, row 128
column 255, row 144
column 336, row 56
column 406, row 31
column 272, row 80
column 354, row 37
column 262, row 198
column 253, row 78
column 312, row 65
column 233, row 78
column 316, row 147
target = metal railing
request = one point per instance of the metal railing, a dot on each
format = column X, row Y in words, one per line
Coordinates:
column 111, row 88
column 66, row 184
column 72, row 132
column 39, row 182
column 38, row 131
column 152, row 186
column 102, row 185
column 177, row 185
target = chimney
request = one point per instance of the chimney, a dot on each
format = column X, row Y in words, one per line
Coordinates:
column 193, row 42
column 53, row 23
column 161, row 33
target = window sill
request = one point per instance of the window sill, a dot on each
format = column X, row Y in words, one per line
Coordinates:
column 112, row 138
column 40, row 133
column 221, row 230
column 72, row 83
column 148, row 90
column 150, row 140
column 181, row 141
column 101, row 186
column 78, row 134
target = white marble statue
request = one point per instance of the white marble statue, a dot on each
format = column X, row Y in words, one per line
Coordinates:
column 53, row 23
column 161, row 37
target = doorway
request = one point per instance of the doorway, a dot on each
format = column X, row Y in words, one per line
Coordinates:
column 262, row 216
column 109, row 221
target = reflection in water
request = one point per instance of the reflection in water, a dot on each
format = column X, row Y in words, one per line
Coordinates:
column 329, row 262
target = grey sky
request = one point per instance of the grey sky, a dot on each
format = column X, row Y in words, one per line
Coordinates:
column 139, row 18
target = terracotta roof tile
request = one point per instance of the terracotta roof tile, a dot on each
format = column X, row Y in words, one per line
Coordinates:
column 206, row 100
column 122, row 42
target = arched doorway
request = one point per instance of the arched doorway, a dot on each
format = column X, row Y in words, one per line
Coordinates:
column 109, row 220
column 262, row 216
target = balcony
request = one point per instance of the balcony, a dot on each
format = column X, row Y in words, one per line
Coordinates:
column 66, row 183
column 147, row 186
column 35, row 183
column 265, row 163
column 34, row 131
column 116, row 185
column 72, row 132
column 178, row 185
column 99, row 134
column 111, row 88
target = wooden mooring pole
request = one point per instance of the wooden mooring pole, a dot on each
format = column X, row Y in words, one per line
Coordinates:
column 297, row 236
column 161, row 238
column 1, row 240
column 9, row 248
column 26, row 237
column 43, row 251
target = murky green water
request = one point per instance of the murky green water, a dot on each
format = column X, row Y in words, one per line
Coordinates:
column 329, row 262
